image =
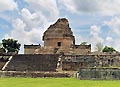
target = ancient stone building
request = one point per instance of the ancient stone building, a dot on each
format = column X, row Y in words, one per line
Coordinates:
column 31, row 48
column 58, row 38
column 60, row 53
column 59, row 35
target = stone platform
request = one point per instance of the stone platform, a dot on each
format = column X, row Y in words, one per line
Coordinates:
column 103, row 73
column 33, row 74
column 31, row 62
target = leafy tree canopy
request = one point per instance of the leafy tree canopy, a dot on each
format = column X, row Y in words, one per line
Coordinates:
column 108, row 49
column 11, row 45
column 83, row 43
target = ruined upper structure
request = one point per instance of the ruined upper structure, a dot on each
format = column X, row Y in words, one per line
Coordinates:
column 59, row 34
column 58, row 38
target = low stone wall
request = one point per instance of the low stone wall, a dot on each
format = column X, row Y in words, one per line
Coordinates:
column 74, row 62
column 29, row 62
column 99, row 73
column 33, row 74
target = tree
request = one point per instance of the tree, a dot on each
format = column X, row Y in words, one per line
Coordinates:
column 2, row 50
column 108, row 49
column 83, row 43
column 11, row 45
column 99, row 47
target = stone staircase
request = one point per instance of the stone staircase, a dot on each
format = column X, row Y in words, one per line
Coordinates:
column 3, row 60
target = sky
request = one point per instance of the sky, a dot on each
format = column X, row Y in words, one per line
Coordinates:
column 92, row 21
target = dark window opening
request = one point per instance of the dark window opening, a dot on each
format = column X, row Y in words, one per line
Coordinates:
column 59, row 44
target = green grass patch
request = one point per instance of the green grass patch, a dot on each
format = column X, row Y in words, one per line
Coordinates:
column 56, row 82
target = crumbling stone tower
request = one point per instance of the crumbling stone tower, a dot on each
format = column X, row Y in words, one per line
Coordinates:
column 59, row 35
column 58, row 38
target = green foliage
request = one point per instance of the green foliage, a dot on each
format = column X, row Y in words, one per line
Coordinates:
column 83, row 43
column 56, row 82
column 108, row 49
column 11, row 45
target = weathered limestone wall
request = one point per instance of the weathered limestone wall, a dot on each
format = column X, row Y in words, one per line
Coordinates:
column 99, row 73
column 57, row 50
column 33, row 63
column 93, row 66
column 33, row 74
column 30, row 49
column 74, row 62
column 90, row 66
column 80, row 49
column 59, row 32
column 65, row 42
column 45, row 50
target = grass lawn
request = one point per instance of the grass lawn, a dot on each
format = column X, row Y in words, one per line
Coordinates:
column 55, row 82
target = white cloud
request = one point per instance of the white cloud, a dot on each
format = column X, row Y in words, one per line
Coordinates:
column 95, row 36
column 79, row 39
column 109, row 39
column 7, row 5
column 114, row 25
column 95, row 30
column 24, row 37
column 116, row 44
column 18, row 31
column 47, row 7
column 32, row 21
column 68, row 5
column 26, row 14
column 100, row 7
column 29, row 28
column 37, row 15
column 114, row 32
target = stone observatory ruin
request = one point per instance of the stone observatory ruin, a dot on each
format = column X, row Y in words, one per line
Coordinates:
column 60, row 57
column 58, row 38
